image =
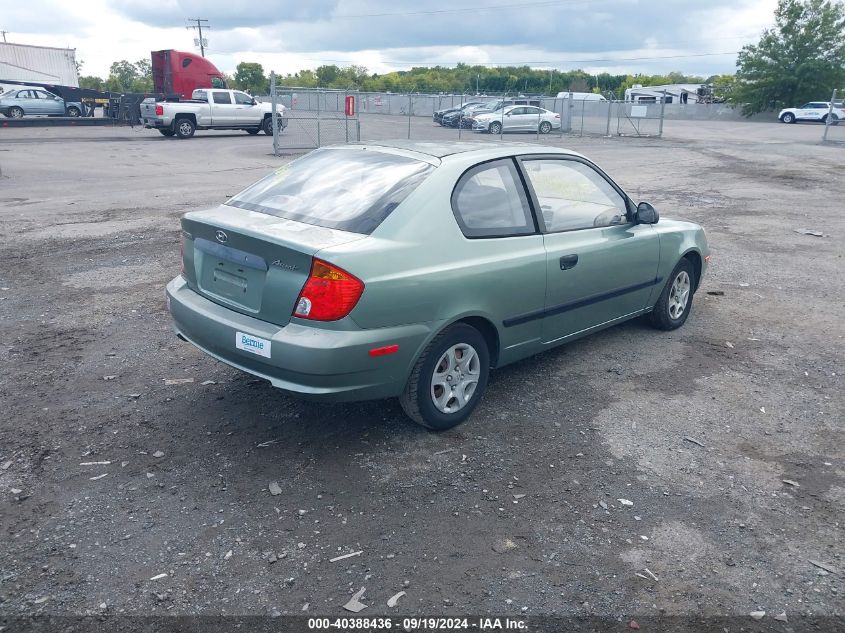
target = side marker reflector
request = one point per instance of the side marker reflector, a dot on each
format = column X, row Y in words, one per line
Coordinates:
column 384, row 351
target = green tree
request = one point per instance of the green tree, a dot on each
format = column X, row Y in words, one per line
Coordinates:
column 121, row 76
column 800, row 59
column 91, row 82
column 249, row 76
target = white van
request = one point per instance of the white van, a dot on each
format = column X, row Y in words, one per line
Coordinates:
column 581, row 96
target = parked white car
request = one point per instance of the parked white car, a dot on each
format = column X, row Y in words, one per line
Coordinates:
column 211, row 109
column 814, row 111
column 517, row 119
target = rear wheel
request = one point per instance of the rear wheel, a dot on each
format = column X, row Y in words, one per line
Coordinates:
column 166, row 132
column 675, row 302
column 788, row 118
column 15, row 112
column 73, row 111
column 448, row 379
column 253, row 130
column 185, row 128
column 495, row 127
column 545, row 127
column 833, row 119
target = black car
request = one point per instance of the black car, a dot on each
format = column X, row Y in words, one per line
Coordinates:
column 452, row 119
column 438, row 115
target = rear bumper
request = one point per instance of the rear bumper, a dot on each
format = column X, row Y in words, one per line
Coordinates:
column 156, row 123
column 311, row 362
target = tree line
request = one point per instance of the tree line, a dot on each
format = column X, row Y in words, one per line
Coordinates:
column 801, row 58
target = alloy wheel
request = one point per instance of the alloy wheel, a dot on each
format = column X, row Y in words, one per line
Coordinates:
column 455, row 378
column 679, row 295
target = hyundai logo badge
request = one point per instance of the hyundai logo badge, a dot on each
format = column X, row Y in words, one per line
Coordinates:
column 221, row 237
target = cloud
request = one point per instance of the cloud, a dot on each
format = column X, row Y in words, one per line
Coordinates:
column 385, row 35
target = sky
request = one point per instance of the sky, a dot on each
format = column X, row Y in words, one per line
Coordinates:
column 615, row 36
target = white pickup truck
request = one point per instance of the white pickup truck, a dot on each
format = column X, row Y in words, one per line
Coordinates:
column 211, row 109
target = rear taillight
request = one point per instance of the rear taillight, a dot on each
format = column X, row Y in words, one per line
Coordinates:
column 159, row 109
column 329, row 294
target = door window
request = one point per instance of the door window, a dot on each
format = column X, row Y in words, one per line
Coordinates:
column 221, row 97
column 573, row 196
column 490, row 201
column 243, row 99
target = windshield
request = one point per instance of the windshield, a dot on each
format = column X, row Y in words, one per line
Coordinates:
column 350, row 190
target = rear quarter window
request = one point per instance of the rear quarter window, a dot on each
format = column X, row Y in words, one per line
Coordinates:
column 350, row 190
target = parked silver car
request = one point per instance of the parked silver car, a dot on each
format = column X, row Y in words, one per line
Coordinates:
column 517, row 119
column 16, row 104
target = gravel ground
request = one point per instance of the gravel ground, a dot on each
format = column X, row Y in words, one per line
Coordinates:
column 724, row 438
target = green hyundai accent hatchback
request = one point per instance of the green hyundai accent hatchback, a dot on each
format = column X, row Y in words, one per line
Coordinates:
column 411, row 269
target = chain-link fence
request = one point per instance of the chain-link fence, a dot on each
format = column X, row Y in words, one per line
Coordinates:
column 313, row 118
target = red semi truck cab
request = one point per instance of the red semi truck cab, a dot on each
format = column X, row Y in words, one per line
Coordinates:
column 179, row 73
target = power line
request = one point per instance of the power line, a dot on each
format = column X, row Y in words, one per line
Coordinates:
column 198, row 26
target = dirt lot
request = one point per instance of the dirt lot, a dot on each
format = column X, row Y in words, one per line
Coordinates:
column 725, row 436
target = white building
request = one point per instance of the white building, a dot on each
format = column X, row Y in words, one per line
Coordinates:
column 38, row 64
column 675, row 93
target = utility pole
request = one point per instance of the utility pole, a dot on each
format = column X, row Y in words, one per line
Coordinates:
column 4, row 35
column 200, row 22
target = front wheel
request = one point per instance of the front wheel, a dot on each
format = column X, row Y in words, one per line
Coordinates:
column 545, row 127
column 788, row 118
column 185, row 128
column 15, row 113
column 253, row 130
column 495, row 128
column 675, row 302
column 267, row 125
column 73, row 111
column 448, row 379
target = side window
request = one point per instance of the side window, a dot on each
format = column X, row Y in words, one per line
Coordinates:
column 573, row 195
column 221, row 97
column 490, row 201
column 243, row 99
column 216, row 82
column 515, row 111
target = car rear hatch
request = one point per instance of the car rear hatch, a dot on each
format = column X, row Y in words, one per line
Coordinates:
column 252, row 262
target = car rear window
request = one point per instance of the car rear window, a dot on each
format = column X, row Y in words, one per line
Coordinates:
column 350, row 190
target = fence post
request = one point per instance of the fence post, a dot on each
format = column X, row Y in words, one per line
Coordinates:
column 461, row 117
column 829, row 115
column 609, row 109
column 319, row 115
column 569, row 107
column 662, row 113
column 346, row 114
column 409, row 115
column 539, row 112
column 274, row 116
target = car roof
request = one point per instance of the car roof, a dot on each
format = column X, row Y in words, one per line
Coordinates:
column 441, row 149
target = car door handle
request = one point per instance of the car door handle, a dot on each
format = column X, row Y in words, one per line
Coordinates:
column 568, row 261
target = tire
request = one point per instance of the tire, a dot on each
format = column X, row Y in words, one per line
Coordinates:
column 418, row 399
column 185, row 128
column 253, row 130
column 545, row 127
column 15, row 112
column 73, row 111
column 834, row 120
column 675, row 302
column 166, row 132
column 788, row 118
column 495, row 127
column 267, row 125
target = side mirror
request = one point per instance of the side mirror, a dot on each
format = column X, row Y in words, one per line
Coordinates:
column 647, row 214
